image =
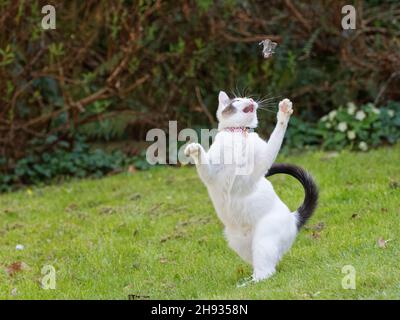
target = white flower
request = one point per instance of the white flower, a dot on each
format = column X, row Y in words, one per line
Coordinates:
column 351, row 108
column 342, row 126
column 351, row 135
column 363, row 146
column 391, row 113
column 328, row 125
column 360, row 115
column 332, row 114
column 19, row 247
column 373, row 108
column 376, row 110
column 324, row 118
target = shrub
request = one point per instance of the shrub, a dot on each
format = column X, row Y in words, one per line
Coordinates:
column 357, row 128
column 114, row 69
column 65, row 160
column 360, row 127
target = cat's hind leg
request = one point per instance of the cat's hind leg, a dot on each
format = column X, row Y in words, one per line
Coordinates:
column 240, row 243
column 265, row 258
column 273, row 236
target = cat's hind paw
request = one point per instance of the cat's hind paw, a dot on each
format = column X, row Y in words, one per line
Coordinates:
column 245, row 282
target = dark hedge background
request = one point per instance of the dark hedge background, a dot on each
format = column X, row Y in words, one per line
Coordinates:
column 114, row 69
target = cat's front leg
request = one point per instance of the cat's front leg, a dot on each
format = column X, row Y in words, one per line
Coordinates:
column 200, row 157
column 273, row 146
column 275, row 141
column 285, row 111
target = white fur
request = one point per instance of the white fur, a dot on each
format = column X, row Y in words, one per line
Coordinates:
column 259, row 227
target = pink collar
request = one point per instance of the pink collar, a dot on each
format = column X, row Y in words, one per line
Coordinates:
column 239, row 129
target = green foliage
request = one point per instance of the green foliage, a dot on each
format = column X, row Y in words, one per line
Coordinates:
column 65, row 160
column 56, row 50
column 353, row 127
column 108, row 129
column 140, row 162
column 6, row 56
column 301, row 135
column 360, row 127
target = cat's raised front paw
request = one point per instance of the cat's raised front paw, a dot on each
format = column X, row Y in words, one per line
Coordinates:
column 285, row 110
column 286, row 106
column 192, row 149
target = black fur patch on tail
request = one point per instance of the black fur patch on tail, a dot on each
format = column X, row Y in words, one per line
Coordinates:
column 310, row 202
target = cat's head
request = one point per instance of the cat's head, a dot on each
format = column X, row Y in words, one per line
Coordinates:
column 236, row 112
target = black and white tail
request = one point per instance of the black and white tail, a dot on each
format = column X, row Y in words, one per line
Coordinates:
column 310, row 202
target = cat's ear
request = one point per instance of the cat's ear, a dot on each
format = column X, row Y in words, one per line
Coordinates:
column 223, row 98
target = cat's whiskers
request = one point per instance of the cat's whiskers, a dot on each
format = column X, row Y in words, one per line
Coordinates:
column 268, row 100
column 268, row 103
column 268, row 110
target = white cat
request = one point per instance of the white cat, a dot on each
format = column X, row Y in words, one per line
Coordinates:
column 259, row 227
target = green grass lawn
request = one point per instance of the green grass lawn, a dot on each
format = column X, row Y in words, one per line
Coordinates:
column 155, row 234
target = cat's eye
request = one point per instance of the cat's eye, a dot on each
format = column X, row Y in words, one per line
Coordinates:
column 230, row 109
